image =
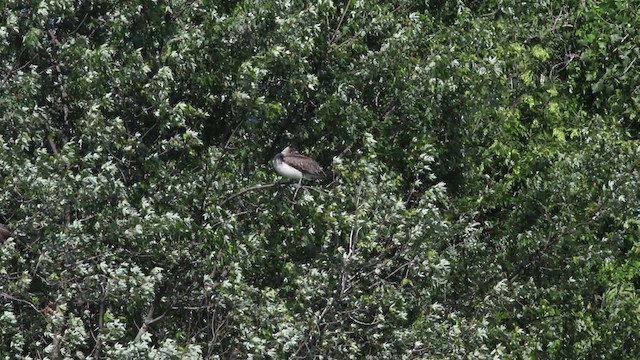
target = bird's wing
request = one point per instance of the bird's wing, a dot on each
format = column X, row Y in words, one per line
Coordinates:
column 305, row 164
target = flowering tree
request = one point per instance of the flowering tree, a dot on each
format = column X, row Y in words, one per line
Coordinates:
column 482, row 197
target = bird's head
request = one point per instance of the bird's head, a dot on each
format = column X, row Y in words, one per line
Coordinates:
column 289, row 150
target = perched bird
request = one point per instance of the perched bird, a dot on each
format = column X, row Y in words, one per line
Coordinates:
column 4, row 233
column 291, row 164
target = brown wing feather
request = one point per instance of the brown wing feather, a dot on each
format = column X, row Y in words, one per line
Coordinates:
column 305, row 164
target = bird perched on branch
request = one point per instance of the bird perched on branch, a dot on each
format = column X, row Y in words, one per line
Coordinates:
column 291, row 164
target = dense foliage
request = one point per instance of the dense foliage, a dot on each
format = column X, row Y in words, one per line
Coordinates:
column 482, row 201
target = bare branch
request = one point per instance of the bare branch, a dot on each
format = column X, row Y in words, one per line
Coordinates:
column 148, row 320
column 337, row 29
column 13, row 298
column 250, row 189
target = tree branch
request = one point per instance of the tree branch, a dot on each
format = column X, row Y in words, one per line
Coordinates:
column 148, row 320
column 250, row 189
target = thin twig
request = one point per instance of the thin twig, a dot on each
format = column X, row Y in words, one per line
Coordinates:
column 629, row 66
column 249, row 189
column 13, row 298
column 336, row 31
column 374, row 322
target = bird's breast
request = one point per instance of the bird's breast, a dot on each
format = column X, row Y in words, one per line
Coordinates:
column 286, row 170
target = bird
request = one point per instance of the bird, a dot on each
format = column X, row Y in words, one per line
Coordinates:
column 4, row 233
column 291, row 164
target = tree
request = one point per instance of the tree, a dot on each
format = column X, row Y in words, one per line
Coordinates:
column 482, row 200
